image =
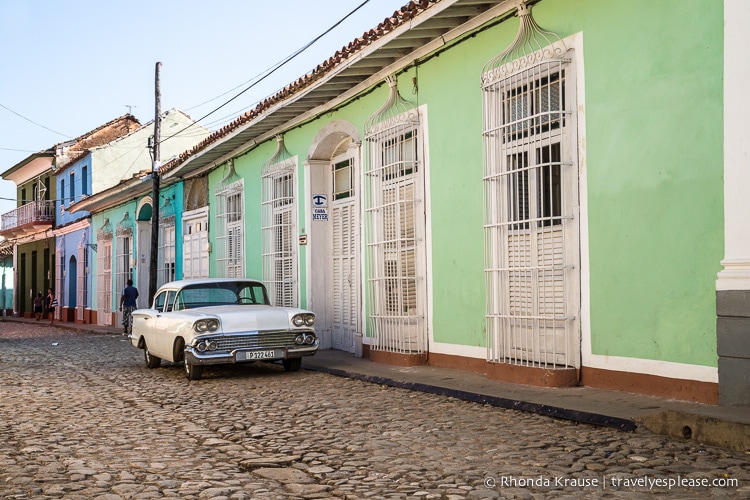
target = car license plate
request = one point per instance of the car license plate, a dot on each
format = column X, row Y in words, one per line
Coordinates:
column 271, row 354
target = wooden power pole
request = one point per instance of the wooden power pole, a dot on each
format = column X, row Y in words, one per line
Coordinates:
column 154, row 261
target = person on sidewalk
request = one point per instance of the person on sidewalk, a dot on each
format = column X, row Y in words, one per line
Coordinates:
column 128, row 304
column 51, row 303
column 38, row 306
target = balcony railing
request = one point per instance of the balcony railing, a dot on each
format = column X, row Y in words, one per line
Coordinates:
column 29, row 215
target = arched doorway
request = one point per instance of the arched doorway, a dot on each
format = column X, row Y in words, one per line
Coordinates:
column 333, row 163
column 143, row 253
column 72, row 283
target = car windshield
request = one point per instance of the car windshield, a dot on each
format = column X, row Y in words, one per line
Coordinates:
column 220, row 294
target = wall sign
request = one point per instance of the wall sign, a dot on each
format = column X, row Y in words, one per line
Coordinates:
column 320, row 207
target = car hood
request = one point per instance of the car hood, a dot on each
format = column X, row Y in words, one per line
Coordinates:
column 247, row 317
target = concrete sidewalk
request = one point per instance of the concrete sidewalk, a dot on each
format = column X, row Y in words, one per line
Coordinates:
column 724, row 426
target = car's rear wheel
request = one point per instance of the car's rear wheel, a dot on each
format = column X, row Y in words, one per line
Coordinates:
column 151, row 360
column 193, row 372
column 293, row 364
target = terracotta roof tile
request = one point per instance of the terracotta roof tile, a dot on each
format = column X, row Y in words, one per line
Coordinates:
column 113, row 129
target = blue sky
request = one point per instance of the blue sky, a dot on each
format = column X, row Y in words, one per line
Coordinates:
column 70, row 66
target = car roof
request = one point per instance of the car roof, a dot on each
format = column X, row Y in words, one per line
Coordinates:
column 206, row 281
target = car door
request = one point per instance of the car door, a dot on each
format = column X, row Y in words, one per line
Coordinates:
column 145, row 323
column 162, row 338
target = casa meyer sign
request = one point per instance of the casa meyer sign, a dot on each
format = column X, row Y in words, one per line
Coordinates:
column 320, row 207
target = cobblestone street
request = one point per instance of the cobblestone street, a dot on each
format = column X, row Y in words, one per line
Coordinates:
column 82, row 417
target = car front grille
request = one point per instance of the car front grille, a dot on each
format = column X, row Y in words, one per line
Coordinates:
column 256, row 341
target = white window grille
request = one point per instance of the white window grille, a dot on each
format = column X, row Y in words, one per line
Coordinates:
column 104, row 274
column 165, row 261
column 230, row 241
column 531, row 200
column 394, row 218
column 195, row 244
column 166, row 258
column 279, row 228
column 123, row 255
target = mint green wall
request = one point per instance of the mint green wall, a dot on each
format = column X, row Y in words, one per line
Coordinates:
column 653, row 102
column 653, row 166
column 449, row 84
column 653, row 76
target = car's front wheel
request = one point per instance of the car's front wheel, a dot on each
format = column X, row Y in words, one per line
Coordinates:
column 151, row 360
column 293, row 364
column 193, row 372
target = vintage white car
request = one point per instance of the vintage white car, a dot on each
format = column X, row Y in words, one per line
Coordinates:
column 221, row 321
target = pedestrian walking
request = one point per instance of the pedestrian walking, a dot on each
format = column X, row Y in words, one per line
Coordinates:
column 38, row 306
column 51, row 303
column 128, row 304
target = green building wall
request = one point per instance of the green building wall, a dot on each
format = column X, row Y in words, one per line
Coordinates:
column 654, row 170
column 653, row 166
column 651, row 160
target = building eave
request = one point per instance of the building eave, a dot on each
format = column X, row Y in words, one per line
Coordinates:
column 19, row 173
column 122, row 193
column 418, row 29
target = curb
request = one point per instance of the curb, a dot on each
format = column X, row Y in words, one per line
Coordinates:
column 622, row 424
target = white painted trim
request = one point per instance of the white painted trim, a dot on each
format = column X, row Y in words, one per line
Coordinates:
column 576, row 43
column 653, row 367
column 147, row 200
column 736, row 273
column 612, row 363
column 307, row 231
column 458, row 350
column 424, row 131
column 336, row 128
column 296, row 229
column 71, row 228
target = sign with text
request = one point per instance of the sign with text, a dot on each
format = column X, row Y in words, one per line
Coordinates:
column 320, row 207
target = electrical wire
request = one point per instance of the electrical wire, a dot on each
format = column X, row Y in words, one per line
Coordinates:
column 35, row 123
column 18, row 150
column 273, row 69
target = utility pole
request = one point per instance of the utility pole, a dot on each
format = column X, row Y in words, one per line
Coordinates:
column 154, row 262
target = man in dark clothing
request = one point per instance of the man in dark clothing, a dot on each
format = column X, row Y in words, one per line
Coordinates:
column 128, row 304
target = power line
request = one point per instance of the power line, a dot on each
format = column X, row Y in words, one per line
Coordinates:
column 35, row 123
column 18, row 150
column 273, row 68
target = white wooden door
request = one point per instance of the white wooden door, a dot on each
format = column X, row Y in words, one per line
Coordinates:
column 195, row 244
column 104, row 283
column 344, row 281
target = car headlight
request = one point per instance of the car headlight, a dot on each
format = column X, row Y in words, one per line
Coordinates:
column 309, row 319
column 305, row 338
column 207, row 345
column 206, row 325
column 304, row 319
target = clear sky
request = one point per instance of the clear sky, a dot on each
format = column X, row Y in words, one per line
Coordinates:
column 70, row 66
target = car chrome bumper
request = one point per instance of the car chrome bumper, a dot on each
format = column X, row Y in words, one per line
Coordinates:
column 195, row 357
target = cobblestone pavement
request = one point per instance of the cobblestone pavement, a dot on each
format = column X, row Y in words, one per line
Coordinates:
column 82, row 417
